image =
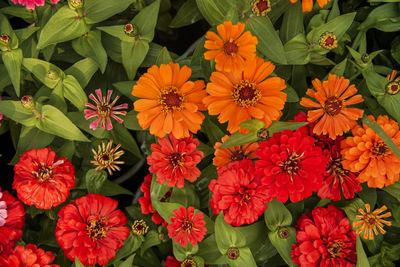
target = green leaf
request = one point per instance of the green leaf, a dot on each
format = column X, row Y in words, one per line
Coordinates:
column 118, row 32
column 164, row 57
column 351, row 209
column 74, row 92
column 277, row 215
column 382, row 18
column 214, row 11
column 213, row 132
column 395, row 49
column 16, row 112
column 245, row 259
column 181, row 253
column 25, row 33
column 12, row 61
column 125, row 88
column 297, row 51
column 338, row 69
column 292, row 23
column 63, row 26
column 146, row 21
column 152, row 239
column 282, row 245
column 362, row 260
column 99, row 10
column 5, row 28
column 269, row 43
column 78, row 263
column 4, row 79
column 209, row 251
column 78, row 118
column 368, row 195
column 131, row 121
column 128, row 262
column 83, row 71
column 279, row 126
column 133, row 55
column 157, row 190
column 42, row 70
column 165, row 209
column 187, row 14
column 20, row 12
column 227, row 236
column 89, row 45
column 131, row 244
column 122, row 136
column 393, row 190
column 110, row 189
column 55, row 122
column 186, row 196
column 292, row 96
column 94, row 180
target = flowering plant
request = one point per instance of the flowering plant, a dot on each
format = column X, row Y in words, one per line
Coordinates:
column 199, row 133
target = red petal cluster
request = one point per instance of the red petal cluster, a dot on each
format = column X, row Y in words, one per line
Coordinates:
column 42, row 179
column 31, row 256
column 324, row 238
column 92, row 229
column 185, row 225
column 145, row 202
column 290, row 166
column 238, row 193
column 174, row 160
column 171, row 261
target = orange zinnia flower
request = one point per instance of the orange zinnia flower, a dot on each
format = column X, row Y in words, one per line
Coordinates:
column 368, row 154
column 171, row 103
column 238, row 97
column 369, row 221
column 223, row 156
column 332, row 96
column 308, row 4
column 230, row 47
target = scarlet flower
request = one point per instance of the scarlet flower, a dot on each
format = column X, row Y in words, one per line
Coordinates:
column 171, row 261
column 145, row 201
column 308, row 4
column 43, row 179
column 91, row 229
column 31, row 4
column 324, row 238
column 12, row 219
column 174, row 160
column 30, row 256
column 186, row 226
column 290, row 166
column 238, row 192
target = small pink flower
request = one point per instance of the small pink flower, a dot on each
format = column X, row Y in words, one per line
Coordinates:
column 104, row 110
column 31, row 4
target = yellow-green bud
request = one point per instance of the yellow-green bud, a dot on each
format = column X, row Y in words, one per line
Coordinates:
column 27, row 102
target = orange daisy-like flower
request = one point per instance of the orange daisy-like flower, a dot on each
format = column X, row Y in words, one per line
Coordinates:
column 230, row 47
column 238, row 97
column 332, row 96
column 170, row 103
column 369, row 221
column 223, row 156
column 368, row 154
column 308, row 4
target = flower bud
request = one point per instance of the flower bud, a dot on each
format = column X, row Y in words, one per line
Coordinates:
column 283, row 232
column 233, row 253
column 27, row 102
column 5, row 39
column 261, row 7
column 328, row 40
column 365, row 58
column 263, row 134
column 189, row 262
column 76, row 3
column 53, row 75
column 131, row 30
column 393, row 88
column 139, row 227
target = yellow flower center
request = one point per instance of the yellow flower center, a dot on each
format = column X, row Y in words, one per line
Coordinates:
column 170, row 99
column 43, row 172
column 393, row 88
column 328, row 40
column 103, row 110
column 230, row 48
column 245, row 94
column 96, row 228
column 333, row 106
column 261, row 7
column 380, row 149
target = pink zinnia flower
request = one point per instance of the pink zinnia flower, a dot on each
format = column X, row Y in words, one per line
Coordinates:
column 104, row 110
column 31, row 4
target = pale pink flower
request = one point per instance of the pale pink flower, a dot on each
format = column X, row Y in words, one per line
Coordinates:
column 104, row 110
column 31, row 4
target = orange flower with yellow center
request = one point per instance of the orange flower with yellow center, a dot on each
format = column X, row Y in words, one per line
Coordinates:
column 335, row 118
column 368, row 154
column 308, row 4
column 369, row 221
column 238, row 97
column 230, row 47
column 169, row 102
column 223, row 156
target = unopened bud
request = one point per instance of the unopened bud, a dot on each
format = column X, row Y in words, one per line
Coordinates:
column 53, row 75
column 5, row 39
column 233, row 253
column 139, row 227
column 365, row 58
column 261, row 7
column 131, row 30
column 189, row 262
column 263, row 134
column 283, row 232
column 393, row 88
column 28, row 102
column 328, row 40
column 76, row 3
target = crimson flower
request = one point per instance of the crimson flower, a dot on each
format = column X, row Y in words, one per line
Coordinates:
column 42, row 179
column 290, row 166
column 324, row 238
column 238, row 192
column 174, row 160
column 91, row 229
column 171, row 261
column 12, row 219
column 31, row 4
column 185, row 225
column 30, row 256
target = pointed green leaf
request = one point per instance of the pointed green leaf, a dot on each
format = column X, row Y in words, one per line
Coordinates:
column 12, row 61
column 74, row 92
column 16, row 112
column 187, row 14
column 151, row 239
column 292, row 23
column 362, row 260
column 131, row 121
column 25, row 33
column 186, row 196
column 110, row 189
column 393, row 190
column 94, row 180
column 100, row 10
column 297, row 51
column 78, row 118
column 245, row 259
column 118, row 32
column 128, row 262
column 284, row 245
column 133, row 55
column 227, row 236
column 214, row 11
column 164, row 57
column 122, row 136
column 146, row 21
column 277, row 215
column 83, row 71
column 46, row 72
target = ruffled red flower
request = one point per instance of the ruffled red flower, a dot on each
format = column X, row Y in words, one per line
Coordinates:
column 91, row 229
column 145, row 202
column 238, row 192
column 290, row 166
column 174, row 160
column 42, row 179
column 12, row 219
column 324, row 238
column 171, row 261
column 31, row 256
column 186, row 226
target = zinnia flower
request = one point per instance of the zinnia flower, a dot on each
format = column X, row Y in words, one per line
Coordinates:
column 12, row 219
column 369, row 221
column 324, row 238
column 145, row 201
column 174, row 160
column 328, row 40
column 368, row 154
column 335, row 117
column 43, row 179
column 91, row 228
column 140, row 227
column 261, row 7
column 186, row 226
column 31, row 4
column 246, row 95
column 106, row 157
column 104, row 110
column 223, row 156
column 238, row 192
column 171, row 103
column 171, row 261
column 308, row 4
column 393, row 86
column 29, row 256
column 290, row 166
column 230, row 47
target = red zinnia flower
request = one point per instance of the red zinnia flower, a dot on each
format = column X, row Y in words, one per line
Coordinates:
column 187, row 226
column 12, row 219
column 42, row 179
column 91, row 229
column 171, row 261
column 145, row 201
column 324, row 238
column 238, row 192
column 174, row 160
column 290, row 166
column 31, row 256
